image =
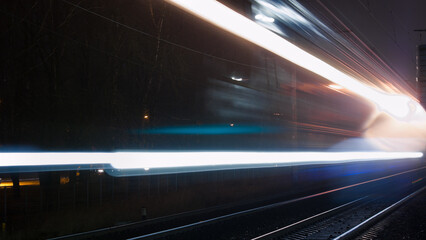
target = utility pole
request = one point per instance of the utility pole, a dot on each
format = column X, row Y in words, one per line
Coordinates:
column 421, row 69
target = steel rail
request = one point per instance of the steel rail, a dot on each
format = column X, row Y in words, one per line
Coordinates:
column 376, row 217
column 306, row 221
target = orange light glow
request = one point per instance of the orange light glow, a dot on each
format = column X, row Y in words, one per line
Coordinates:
column 22, row 182
column 64, row 180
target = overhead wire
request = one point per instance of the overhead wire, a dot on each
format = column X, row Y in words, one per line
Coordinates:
column 159, row 38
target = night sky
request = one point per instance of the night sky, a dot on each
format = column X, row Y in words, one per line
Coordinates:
column 387, row 26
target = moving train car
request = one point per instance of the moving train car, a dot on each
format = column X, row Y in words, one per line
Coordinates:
column 159, row 78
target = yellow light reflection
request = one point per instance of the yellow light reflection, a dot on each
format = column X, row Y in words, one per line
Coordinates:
column 22, row 182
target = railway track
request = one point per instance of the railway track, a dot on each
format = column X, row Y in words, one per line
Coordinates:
column 340, row 223
column 351, row 233
column 315, row 216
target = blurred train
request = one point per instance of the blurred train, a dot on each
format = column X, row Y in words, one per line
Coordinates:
column 113, row 80
column 148, row 76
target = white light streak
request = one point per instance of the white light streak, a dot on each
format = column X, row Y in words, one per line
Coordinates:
column 158, row 160
column 284, row 12
column 264, row 18
column 227, row 19
column 238, row 79
column 334, row 86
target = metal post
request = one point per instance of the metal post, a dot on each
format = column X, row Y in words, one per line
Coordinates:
column 41, row 199
column 87, row 192
column 100, row 190
column 149, row 185
column 167, row 183
column 176, row 182
column 421, row 72
column 112, row 189
column 139, row 187
column 59, row 196
column 3, row 225
column 74, row 195
column 26, row 201
column 158, row 184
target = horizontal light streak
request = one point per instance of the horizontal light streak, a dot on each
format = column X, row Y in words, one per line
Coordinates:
column 205, row 159
column 158, row 160
column 398, row 106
